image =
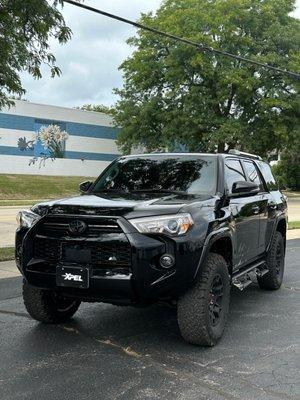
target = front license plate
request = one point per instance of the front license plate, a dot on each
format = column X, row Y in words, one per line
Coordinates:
column 76, row 254
column 75, row 277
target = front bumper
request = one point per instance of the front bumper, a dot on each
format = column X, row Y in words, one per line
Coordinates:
column 140, row 280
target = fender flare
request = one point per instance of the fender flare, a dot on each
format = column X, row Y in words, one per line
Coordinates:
column 278, row 220
column 209, row 241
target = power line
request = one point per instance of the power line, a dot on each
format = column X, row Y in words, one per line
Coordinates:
column 199, row 46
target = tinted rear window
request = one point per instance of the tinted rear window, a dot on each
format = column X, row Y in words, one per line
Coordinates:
column 233, row 173
column 266, row 171
column 253, row 174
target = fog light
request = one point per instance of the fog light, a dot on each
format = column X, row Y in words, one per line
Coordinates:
column 167, row 261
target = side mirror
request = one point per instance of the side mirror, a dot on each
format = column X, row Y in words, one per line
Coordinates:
column 85, row 186
column 243, row 188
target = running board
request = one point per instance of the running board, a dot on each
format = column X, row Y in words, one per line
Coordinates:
column 244, row 278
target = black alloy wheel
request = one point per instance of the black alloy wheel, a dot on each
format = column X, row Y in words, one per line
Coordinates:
column 215, row 300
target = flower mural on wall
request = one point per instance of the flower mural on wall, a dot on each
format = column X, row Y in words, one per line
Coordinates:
column 53, row 139
column 24, row 144
column 49, row 144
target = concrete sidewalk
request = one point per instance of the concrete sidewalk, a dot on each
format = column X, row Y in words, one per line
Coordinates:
column 8, row 269
column 293, row 234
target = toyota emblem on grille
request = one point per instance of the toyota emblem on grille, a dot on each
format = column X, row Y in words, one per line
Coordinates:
column 77, row 227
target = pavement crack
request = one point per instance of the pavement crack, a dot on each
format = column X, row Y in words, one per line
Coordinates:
column 294, row 289
column 16, row 314
column 211, row 363
column 127, row 350
column 71, row 329
column 282, row 350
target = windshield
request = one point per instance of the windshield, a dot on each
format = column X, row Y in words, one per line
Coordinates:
column 184, row 174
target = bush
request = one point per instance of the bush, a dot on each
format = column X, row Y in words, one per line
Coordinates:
column 287, row 171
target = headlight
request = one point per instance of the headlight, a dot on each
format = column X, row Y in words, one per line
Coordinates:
column 27, row 218
column 174, row 225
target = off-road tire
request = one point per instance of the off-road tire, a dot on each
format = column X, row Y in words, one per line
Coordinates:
column 48, row 307
column 275, row 264
column 194, row 308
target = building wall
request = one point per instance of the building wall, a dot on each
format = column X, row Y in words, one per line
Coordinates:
column 89, row 148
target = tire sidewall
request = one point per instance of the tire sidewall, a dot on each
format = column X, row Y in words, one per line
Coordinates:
column 271, row 259
column 193, row 307
column 42, row 307
column 216, row 331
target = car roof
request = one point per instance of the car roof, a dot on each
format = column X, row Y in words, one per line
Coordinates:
column 170, row 154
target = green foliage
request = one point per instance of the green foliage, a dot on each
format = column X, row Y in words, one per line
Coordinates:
column 25, row 30
column 175, row 95
column 278, row 173
column 287, row 171
column 97, row 108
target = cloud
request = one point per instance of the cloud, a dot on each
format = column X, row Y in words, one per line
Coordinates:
column 90, row 61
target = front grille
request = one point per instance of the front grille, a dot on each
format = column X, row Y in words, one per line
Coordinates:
column 61, row 228
column 102, row 254
column 103, row 238
column 112, row 254
column 49, row 250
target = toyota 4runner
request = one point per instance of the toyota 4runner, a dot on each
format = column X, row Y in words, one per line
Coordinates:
column 180, row 228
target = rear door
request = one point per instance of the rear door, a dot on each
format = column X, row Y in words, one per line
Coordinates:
column 260, row 203
column 245, row 212
column 276, row 207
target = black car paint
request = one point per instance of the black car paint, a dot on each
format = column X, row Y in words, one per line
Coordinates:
column 247, row 221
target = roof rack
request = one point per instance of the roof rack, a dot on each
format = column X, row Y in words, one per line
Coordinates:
column 243, row 154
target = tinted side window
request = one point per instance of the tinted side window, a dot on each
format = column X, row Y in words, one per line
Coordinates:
column 233, row 172
column 266, row 171
column 252, row 173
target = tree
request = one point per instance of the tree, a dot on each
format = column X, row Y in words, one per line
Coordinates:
column 287, row 171
column 25, row 30
column 177, row 96
column 101, row 108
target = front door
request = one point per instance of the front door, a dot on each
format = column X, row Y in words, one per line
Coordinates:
column 245, row 212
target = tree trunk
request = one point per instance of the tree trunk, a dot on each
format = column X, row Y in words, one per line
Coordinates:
column 221, row 147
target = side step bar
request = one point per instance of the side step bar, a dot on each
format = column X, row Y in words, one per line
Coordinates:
column 244, row 278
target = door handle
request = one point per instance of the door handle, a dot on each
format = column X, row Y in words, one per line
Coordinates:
column 255, row 210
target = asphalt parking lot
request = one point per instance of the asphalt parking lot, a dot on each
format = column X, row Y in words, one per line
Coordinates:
column 109, row 352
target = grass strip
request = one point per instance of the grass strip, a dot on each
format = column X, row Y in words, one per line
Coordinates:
column 7, row 253
column 294, row 225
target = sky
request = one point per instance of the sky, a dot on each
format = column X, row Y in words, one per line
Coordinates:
column 90, row 60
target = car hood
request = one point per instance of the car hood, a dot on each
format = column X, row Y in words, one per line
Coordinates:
column 128, row 206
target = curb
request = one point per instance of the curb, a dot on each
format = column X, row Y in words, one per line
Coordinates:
column 293, row 234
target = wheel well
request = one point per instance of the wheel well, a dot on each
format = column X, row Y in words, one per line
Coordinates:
column 223, row 247
column 281, row 227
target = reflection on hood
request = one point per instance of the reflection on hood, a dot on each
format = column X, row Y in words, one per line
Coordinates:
column 118, row 204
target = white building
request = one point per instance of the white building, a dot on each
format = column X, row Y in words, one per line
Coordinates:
column 89, row 147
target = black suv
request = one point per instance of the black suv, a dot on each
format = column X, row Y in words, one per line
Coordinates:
column 179, row 228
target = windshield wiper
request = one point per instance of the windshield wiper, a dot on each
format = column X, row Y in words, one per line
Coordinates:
column 116, row 191
column 167, row 191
